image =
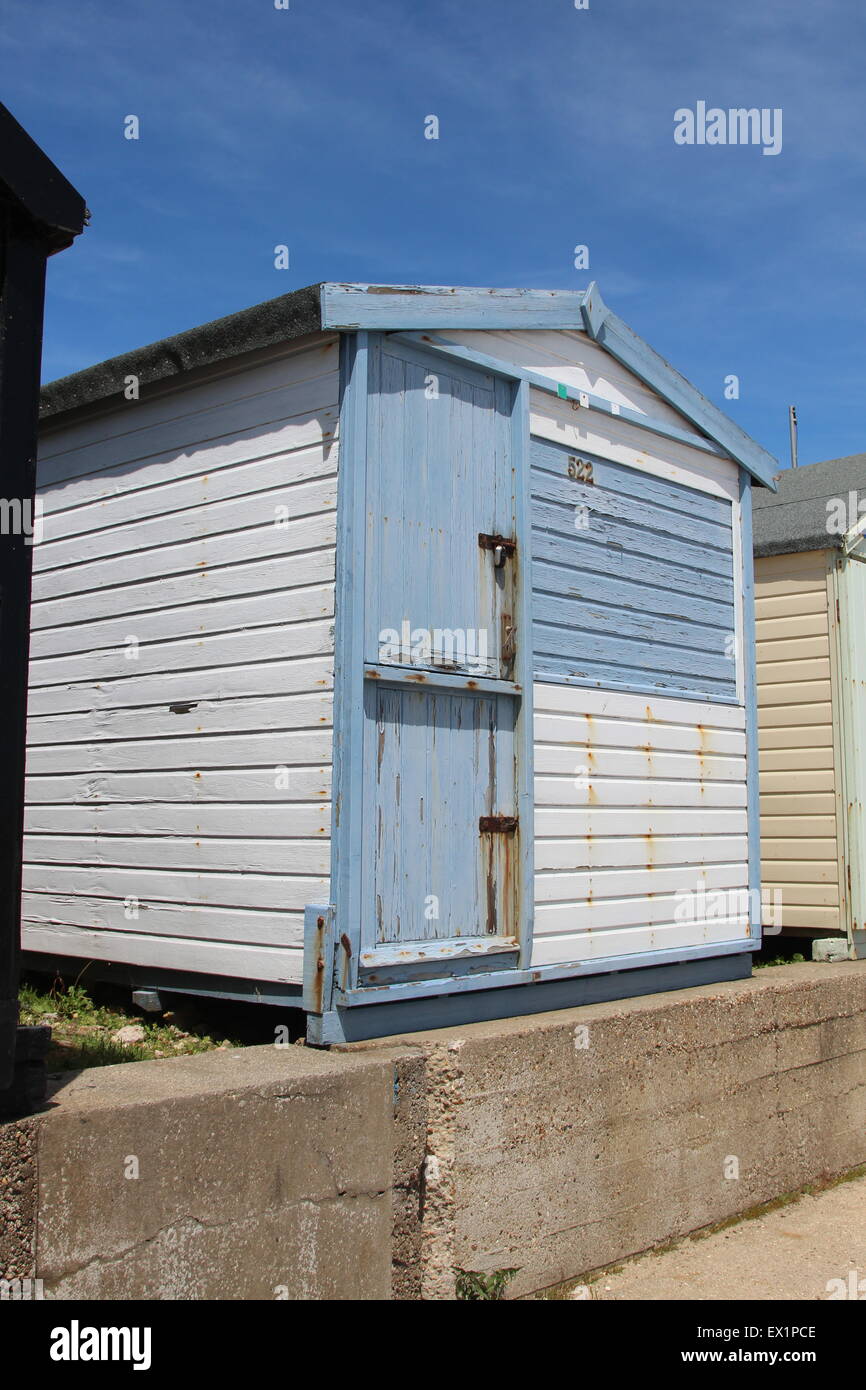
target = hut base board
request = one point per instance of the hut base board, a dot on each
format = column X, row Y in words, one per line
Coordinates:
column 361, row 1022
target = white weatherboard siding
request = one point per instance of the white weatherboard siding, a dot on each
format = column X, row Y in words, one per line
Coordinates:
column 576, row 361
column 182, row 655
column 639, row 802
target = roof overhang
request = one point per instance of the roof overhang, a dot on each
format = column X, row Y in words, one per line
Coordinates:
column 32, row 184
column 410, row 308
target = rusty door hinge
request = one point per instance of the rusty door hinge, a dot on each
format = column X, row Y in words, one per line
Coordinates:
column 500, row 825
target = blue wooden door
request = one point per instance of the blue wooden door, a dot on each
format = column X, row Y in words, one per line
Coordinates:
column 441, row 833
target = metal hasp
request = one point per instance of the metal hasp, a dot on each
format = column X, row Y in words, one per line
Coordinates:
column 502, row 547
column 40, row 213
column 498, row 825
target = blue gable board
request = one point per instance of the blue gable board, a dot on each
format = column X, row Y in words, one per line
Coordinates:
column 398, row 308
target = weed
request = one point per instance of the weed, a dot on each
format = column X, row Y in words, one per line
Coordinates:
column 478, row 1287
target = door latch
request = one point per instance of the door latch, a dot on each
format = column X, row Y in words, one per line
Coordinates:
column 502, row 547
column 498, row 825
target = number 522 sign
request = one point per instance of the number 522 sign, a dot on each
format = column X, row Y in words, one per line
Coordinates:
column 580, row 469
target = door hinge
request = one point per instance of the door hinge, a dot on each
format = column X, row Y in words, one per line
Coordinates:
column 498, row 825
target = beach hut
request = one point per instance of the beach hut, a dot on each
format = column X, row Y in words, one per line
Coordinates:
column 811, row 631
column 393, row 652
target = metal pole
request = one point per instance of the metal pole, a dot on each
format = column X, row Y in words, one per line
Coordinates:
column 792, row 421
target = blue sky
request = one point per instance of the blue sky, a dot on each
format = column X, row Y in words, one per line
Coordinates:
column 306, row 127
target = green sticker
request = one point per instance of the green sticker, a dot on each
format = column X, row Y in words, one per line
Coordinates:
column 562, row 391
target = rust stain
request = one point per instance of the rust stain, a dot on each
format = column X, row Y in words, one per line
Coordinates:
column 347, row 952
column 319, row 978
column 490, row 888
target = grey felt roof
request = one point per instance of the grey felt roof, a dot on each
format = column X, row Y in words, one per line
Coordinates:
column 795, row 517
column 277, row 320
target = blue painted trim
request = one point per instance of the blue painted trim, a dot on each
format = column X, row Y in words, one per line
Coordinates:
column 403, row 677
column 477, row 1006
column 635, row 688
column 751, row 698
column 346, row 836
column 525, row 727
column 505, row 979
column 621, row 342
column 445, row 306
column 319, row 941
column 594, row 310
column 586, row 400
column 437, row 950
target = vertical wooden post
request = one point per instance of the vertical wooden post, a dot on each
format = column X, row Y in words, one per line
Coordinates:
column 40, row 213
column 21, row 303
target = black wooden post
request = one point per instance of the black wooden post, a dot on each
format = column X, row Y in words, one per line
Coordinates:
column 40, row 213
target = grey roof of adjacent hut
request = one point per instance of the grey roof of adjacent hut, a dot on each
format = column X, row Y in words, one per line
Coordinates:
column 264, row 325
column 795, row 517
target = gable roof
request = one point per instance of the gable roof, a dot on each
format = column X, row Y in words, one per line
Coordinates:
column 795, row 518
column 347, row 307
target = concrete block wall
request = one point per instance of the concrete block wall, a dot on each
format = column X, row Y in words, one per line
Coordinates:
column 563, row 1142
column 552, row 1145
column 262, row 1173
